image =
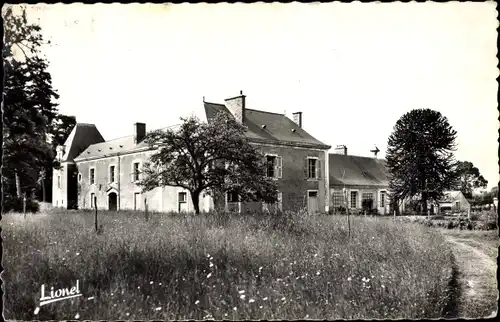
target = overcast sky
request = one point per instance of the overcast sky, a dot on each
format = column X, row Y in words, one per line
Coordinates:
column 352, row 69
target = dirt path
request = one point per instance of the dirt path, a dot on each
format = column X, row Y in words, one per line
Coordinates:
column 476, row 279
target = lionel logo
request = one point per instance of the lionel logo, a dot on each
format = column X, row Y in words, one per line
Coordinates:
column 60, row 294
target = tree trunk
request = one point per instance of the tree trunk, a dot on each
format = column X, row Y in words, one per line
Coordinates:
column 43, row 190
column 195, row 197
column 18, row 185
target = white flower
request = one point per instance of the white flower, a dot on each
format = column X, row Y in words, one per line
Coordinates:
column 158, row 308
column 36, row 311
column 127, row 314
column 151, row 282
column 242, row 296
column 283, row 298
column 210, row 274
column 349, row 278
column 260, row 268
column 251, row 301
column 241, row 292
column 234, row 308
column 90, row 298
column 77, row 316
column 159, row 284
column 264, row 299
column 260, row 307
column 208, row 255
column 315, row 255
column 383, row 286
column 317, row 273
column 77, row 254
column 211, row 264
column 197, row 302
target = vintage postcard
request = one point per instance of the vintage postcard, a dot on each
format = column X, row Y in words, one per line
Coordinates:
column 261, row 161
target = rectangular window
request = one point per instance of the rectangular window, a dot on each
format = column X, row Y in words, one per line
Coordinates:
column 232, row 197
column 79, row 177
column 271, row 163
column 92, row 200
column 182, row 197
column 354, row 199
column 274, row 166
column 92, row 176
column 278, row 205
column 112, row 174
column 382, row 198
column 337, row 199
column 59, row 182
column 367, row 196
column 312, row 169
column 136, row 171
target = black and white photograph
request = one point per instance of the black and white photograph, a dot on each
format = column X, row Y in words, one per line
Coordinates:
column 250, row 161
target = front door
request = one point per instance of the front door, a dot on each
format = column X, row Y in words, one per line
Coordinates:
column 137, row 201
column 112, row 201
column 312, row 202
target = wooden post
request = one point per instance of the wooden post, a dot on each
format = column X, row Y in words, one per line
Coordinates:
column 95, row 218
column 24, row 205
column 146, row 208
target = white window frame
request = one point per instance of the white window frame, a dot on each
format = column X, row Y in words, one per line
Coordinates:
column 358, row 205
column 382, row 192
column 92, row 195
column 138, row 171
column 277, row 167
column 114, row 173
column 227, row 198
column 179, row 195
column 338, row 191
column 316, row 174
column 91, row 181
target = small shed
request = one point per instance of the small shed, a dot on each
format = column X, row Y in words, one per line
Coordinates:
column 454, row 201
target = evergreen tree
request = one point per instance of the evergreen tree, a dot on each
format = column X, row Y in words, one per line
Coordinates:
column 420, row 156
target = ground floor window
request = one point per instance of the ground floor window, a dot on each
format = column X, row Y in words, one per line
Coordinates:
column 354, row 199
column 382, row 198
column 182, row 197
column 337, row 199
column 232, row 197
column 92, row 200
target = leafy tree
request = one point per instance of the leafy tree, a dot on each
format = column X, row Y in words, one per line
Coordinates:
column 29, row 111
column 209, row 158
column 468, row 178
column 420, row 156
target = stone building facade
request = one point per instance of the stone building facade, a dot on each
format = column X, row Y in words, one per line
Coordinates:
column 107, row 171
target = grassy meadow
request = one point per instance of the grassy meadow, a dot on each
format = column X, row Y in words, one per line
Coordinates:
column 219, row 266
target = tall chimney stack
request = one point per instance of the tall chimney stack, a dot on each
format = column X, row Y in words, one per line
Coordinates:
column 341, row 149
column 236, row 105
column 139, row 132
column 297, row 118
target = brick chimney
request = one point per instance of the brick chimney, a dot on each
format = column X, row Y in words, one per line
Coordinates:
column 341, row 149
column 139, row 132
column 236, row 106
column 297, row 118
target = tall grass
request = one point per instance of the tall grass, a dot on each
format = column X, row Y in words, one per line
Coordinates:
column 223, row 267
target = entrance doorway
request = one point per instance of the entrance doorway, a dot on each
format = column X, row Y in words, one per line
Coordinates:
column 312, row 202
column 112, row 201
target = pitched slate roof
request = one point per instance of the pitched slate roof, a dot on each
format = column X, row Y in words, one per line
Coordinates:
column 278, row 127
column 359, row 171
column 121, row 145
column 450, row 196
column 82, row 135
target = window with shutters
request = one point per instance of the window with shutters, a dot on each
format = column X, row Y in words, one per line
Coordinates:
column 273, row 166
column 312, row 168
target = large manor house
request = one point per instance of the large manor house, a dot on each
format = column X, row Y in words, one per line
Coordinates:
column 308, row 176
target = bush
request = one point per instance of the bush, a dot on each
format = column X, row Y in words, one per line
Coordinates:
column 452, row 224
column 15, row 204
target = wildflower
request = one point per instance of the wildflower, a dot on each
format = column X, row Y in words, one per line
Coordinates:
column 208, row 255
column 317, row 273
column 77, row 316
column 315, row 255
column 241, row 292
column 264, row 299
column 234, row 308
column 111, row 294
column 77, row 254
column 242, row 296
column 36, row 311
column 260, row 268
column 209, row 274
column 159, row 284
column 260, row 307
column 383, row 286
column 283, row 298
column 349, row 278
column 158, row 309
column 251, row 301
column 138, row 287
column 225, row 314
column 211, row 264
column 90, row 298
column 197, row 302
column 127, row 314
column 151, row 282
